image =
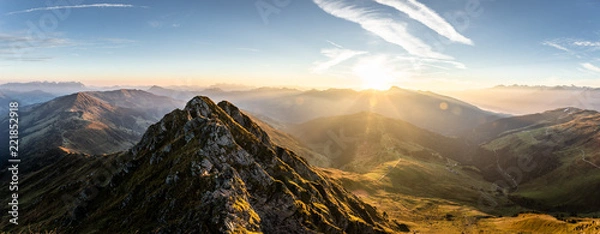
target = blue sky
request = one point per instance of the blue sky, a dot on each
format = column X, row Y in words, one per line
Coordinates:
column 420, row 44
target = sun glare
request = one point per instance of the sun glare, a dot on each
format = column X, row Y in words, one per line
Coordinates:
column 374, row 74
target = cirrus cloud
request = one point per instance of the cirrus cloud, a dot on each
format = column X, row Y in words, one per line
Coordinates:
column 428, row 17
column 590, row 67
column 98, row 5
column 386, row 28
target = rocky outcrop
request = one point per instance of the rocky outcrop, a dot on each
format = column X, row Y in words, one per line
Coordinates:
column 210, row 169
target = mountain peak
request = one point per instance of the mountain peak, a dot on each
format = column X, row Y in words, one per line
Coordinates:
column 201, row 106
column 243, row 181
column 82, row 101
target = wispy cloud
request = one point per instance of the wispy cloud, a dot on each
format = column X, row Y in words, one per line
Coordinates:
column 386, row 28
column 440, row 63
column 592, row 44
column 98, row 5
column 336, row 56
column 22, row 48
column 590, row 67
column 28, row 58
column 18, row 41
column 556, row 46
column 428, row 17
column 334, row 44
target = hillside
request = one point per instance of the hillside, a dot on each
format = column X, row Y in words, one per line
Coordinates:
column 86, row 123
column 363, row 141
column 437, row 184
column 204, row 169
column 548, row 160
column 281, row 138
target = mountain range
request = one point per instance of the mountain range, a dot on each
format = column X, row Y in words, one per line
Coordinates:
column 441, row 114
column 130, row 161
column 522, row 100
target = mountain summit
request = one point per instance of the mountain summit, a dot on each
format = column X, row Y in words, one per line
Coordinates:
column 206, row 169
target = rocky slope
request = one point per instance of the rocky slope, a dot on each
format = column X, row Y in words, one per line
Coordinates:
column 204, row 169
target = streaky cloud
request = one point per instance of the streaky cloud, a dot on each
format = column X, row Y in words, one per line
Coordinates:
column 587, row 43
column 386, row 28
column 556, row 46
column 590, row 67
column 428, row 17
column 97, row 5
column 336, row 56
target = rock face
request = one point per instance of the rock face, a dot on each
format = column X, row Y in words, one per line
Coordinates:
column 210, row 169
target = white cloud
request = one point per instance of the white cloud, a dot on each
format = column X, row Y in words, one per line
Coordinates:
column 590, row 67
column 334, row 44
column 386, row 28
column 336, row 56
column 99, row 5
column 556, row 46
column 440, row 63
column 587, row 43
column 20, row 42
column 428, row 17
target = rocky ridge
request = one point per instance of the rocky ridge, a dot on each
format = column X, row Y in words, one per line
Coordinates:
column 210, row 169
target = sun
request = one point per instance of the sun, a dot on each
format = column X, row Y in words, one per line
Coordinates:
column 374, row 74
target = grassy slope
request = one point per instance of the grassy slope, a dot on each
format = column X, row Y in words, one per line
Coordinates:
column 391, row 169
column 567, row 184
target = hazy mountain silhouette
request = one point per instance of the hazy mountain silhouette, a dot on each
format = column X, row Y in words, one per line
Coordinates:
column 427, row 110
column 531, row 99
column 54, row 88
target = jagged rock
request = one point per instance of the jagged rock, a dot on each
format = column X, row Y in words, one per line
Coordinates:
column 210, row 169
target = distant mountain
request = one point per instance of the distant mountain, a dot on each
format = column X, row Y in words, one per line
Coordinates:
column 521, row 100
column 363, row 141
column 152, row 104
column 281, row 138
column 204, row 169
column 427, row 110
column 54, row 88
column 548, row 161
column 86, row 123
column 384, row 157
column 23, row 98
column 176, row 94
